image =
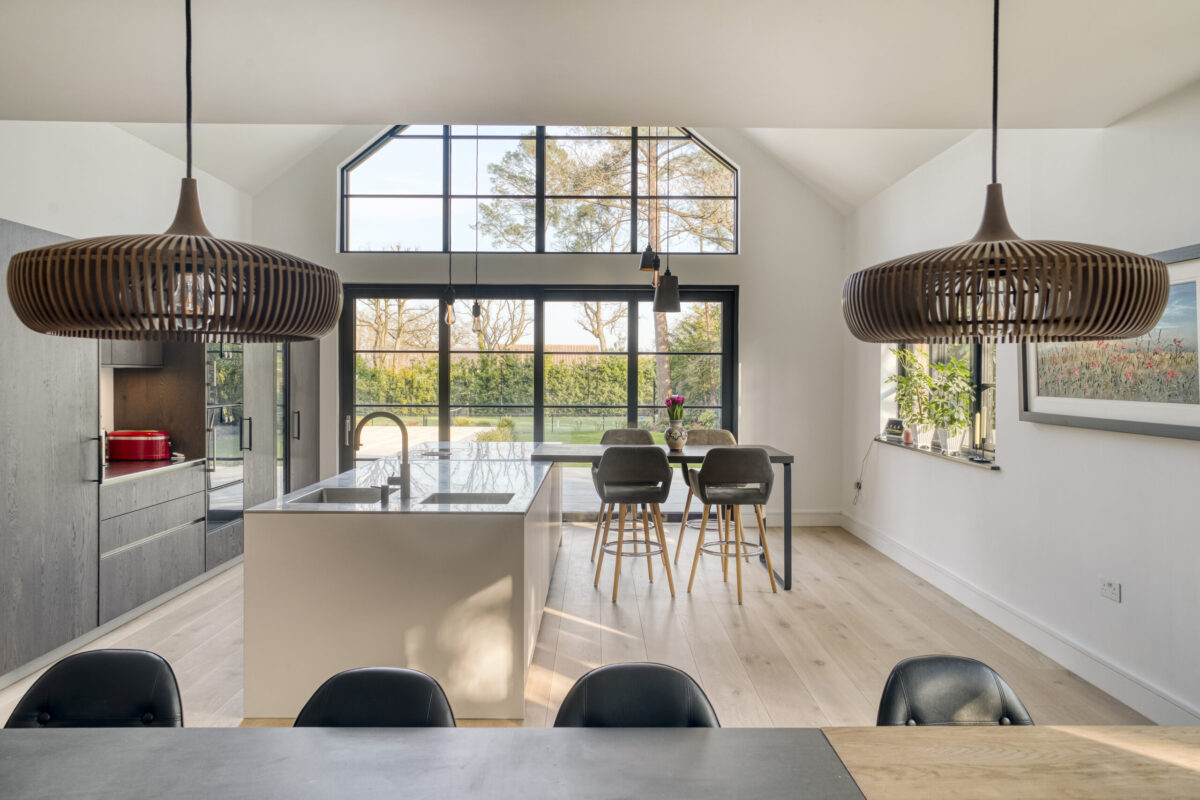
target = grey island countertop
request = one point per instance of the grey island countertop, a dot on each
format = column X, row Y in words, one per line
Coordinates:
column 436, row 468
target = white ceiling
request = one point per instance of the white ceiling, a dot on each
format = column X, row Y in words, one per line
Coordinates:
column 849, row 167
column 920, row 64
column 248, row 157
column 849, row 94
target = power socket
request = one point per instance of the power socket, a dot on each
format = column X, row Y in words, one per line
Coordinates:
column 1110, row 589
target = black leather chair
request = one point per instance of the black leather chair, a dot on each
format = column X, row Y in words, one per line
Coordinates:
column 377, row 697
column 630, row 476
column 733, row 477
column 103, row 689
column 636, row 695
column 948, row 690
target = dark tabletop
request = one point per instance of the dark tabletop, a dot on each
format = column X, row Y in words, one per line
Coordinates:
column 550, row 451
column 442, row 763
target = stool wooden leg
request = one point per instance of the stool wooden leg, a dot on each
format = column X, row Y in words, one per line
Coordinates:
column 738, row 549
column 762, row 535
column 646, row 533
column 699, row 542
column 607, row 528
column 687, row 505
column 605, row 514
column 620, row 543
column 662, row 541
column 726, row 517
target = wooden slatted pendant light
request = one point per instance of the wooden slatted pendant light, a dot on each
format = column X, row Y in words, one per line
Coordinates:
column 181, row 285
column 998, row 287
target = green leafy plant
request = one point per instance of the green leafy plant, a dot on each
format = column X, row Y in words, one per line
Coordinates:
column 913, row 387
column 949, row 404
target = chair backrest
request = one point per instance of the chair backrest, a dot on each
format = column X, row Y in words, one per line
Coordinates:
column 745, row 471
column 103, row 689
column 634, row 464
column 626, row 436
column 378, row 697
column 636, row 695
column 948, row 690
column 711, row 436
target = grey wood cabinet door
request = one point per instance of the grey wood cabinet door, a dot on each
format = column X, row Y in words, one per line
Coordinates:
column 49, row 524
column 304, row 361
column 258, row 432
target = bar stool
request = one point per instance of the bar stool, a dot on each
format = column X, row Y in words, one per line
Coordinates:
column 701, row 437
column 628, row 476
column 733, row 476
column 618, row 436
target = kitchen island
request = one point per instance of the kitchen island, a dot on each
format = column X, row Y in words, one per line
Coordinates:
column 451, row 580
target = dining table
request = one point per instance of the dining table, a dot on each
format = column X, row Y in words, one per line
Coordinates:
column 568, row 453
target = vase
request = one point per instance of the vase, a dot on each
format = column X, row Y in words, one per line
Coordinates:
column 675, row 436
column 924, row 437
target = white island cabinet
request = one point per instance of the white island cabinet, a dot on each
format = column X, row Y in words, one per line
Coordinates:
column 451, row 581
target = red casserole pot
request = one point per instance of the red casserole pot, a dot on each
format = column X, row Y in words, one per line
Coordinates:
column 139, row 446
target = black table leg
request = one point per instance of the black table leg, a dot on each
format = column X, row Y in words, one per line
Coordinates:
column 787, row 526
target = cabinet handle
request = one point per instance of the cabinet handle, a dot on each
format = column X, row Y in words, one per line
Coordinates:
column 247, row 433
column 295, row 424
column 212, row 450
column 348, row 427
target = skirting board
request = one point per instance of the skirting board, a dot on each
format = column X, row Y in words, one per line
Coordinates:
column 1157, row 704
column 25, row 670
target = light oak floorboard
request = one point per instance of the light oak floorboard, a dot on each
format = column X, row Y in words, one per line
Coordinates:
column 812, row 657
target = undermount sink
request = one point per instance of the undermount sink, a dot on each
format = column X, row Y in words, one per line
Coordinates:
column 340, row 495
column 468, row 498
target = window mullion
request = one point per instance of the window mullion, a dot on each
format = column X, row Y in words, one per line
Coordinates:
column 446, row 188
column 539, row 211
column 631, row 361
column 633, row 189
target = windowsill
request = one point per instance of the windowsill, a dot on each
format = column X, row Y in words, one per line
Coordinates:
column 958, row 458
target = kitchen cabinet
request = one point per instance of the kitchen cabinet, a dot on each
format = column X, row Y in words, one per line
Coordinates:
column 48, row 477
column 304, row 407
column 118, row 353
column 259, row 421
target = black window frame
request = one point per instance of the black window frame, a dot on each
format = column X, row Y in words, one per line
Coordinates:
column 540, row 295
column 540, row 196
column 979, row 427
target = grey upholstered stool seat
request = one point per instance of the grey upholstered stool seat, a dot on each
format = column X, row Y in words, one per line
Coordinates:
column 103, row 689
column 948, row 690
column 617, row 436
column 377, row 697
column 636, row 695
column 629, row 476
column 701, row 437
column 733, row 477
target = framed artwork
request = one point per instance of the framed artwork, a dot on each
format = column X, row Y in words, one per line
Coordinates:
column 1149, row 385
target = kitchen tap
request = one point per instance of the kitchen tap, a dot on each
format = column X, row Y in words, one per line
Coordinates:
column 404, row 480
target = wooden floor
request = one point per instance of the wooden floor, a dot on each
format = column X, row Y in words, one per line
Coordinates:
column 812, row 657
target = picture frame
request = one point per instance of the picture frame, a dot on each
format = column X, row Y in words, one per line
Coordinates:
column 1147, row 386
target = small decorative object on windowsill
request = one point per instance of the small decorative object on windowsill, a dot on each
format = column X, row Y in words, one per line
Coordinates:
column 908, row 437
column 675, row 435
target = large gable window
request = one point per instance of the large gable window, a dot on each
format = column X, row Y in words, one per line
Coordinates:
column 538, row 189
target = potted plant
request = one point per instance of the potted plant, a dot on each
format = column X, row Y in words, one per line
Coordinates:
column 675, row 435
column 948, row 406
column 913, row 388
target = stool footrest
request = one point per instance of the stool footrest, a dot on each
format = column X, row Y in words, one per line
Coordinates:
column 650, row 548
column 713, row 548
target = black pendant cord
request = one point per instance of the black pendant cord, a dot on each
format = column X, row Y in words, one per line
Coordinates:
column 187, row 72
column 995, row 78
column 477, row 213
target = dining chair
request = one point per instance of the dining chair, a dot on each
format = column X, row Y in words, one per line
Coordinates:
column 618, row 436
column 377, row 697
column 733, row 477
column 948, row 690
column 103, row 689
column 701, row 437
column 629, row 476
column 636, row 695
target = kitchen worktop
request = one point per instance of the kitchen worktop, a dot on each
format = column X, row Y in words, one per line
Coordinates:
column 127, row 470
column 493, row 467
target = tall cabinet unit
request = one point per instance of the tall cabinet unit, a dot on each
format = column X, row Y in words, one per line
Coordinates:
column 49, row 430
column 225, row 451
column 260, row 411
column 304, row 406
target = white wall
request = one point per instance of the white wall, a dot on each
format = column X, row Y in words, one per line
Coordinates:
column 84, row 179
column 1026, row 546
column 788, row 271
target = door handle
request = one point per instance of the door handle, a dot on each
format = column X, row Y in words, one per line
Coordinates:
column 295, row 424
column 247, row 433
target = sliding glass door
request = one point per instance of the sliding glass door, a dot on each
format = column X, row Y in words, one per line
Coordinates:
column 547, row 364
